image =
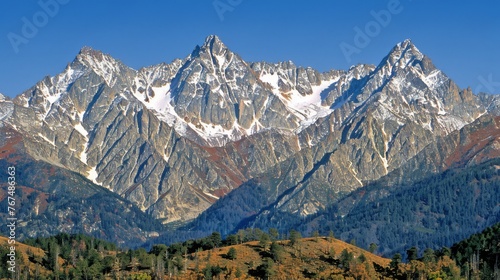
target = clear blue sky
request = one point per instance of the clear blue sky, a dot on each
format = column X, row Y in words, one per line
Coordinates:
column 462, row 38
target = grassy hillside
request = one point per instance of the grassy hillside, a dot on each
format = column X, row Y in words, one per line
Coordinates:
column 318, row 258
column 27, row 256
column 83, row 257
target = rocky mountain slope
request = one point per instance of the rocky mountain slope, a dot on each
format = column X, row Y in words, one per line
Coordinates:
column 175, row 138
column 50, row 199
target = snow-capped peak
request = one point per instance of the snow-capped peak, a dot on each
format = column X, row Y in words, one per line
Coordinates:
column 402, row 55
column 407, row 42
column 102, row 64
column 213, row 47
column 88, row 54
column 213, row 40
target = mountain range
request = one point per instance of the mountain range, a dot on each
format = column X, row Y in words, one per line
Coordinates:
column 212, row 142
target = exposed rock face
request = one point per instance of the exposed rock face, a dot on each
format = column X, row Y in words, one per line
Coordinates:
column 50, row 200
column 173, row 138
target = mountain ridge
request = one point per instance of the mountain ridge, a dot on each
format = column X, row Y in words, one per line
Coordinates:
column 173, row 138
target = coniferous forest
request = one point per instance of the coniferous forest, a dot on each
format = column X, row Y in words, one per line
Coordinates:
column 251, row 254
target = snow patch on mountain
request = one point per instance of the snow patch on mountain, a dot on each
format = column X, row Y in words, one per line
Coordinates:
column 161, row 105
column 272, row 80
column 81, row 130
column 92, row 176
column 307, row 108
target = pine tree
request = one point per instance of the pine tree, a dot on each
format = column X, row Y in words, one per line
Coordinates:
column 330, row 236
column 315, row 234
column 345, row 258
column 238, row 273
column 412, row 254
column 294, row 237
column 276, row 251
column 429, row 256
column 266, row 269
column 274, row 234
column 231, row 254
column 396, row 260
column 263, row 240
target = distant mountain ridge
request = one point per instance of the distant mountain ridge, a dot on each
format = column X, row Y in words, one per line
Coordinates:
column 174, row 138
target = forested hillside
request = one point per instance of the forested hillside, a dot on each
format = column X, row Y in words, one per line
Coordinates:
column 251, row 254
column 434, row 212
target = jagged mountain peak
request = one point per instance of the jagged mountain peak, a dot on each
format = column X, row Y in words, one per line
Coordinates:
column 405, row 46
column 88, row 50
column 87, row 53
column 102, row 64
column 212, row 47
column 406, row 54
column 216, row 100
column 405, row 43
column 211, row 39
column 403, row 59
column 92, row 56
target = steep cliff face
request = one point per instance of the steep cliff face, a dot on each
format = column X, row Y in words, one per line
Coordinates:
column 174, row 138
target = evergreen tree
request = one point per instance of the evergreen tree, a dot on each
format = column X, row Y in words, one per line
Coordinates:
column 277, row 252
column 53, row 256
column 429, row 256
column 274, row 234
column 266, row 269
column 412, row 254
column 330, row 236
column 264, row 240
column 294, row 237
column 396, row 260
column 238, row 273
column 215, row 239
column 231, row 254
column 207, row 272
column 232, row 239
column 158, row 249
column 345, row 258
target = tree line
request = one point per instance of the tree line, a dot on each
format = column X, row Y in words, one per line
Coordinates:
column 82, row 257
